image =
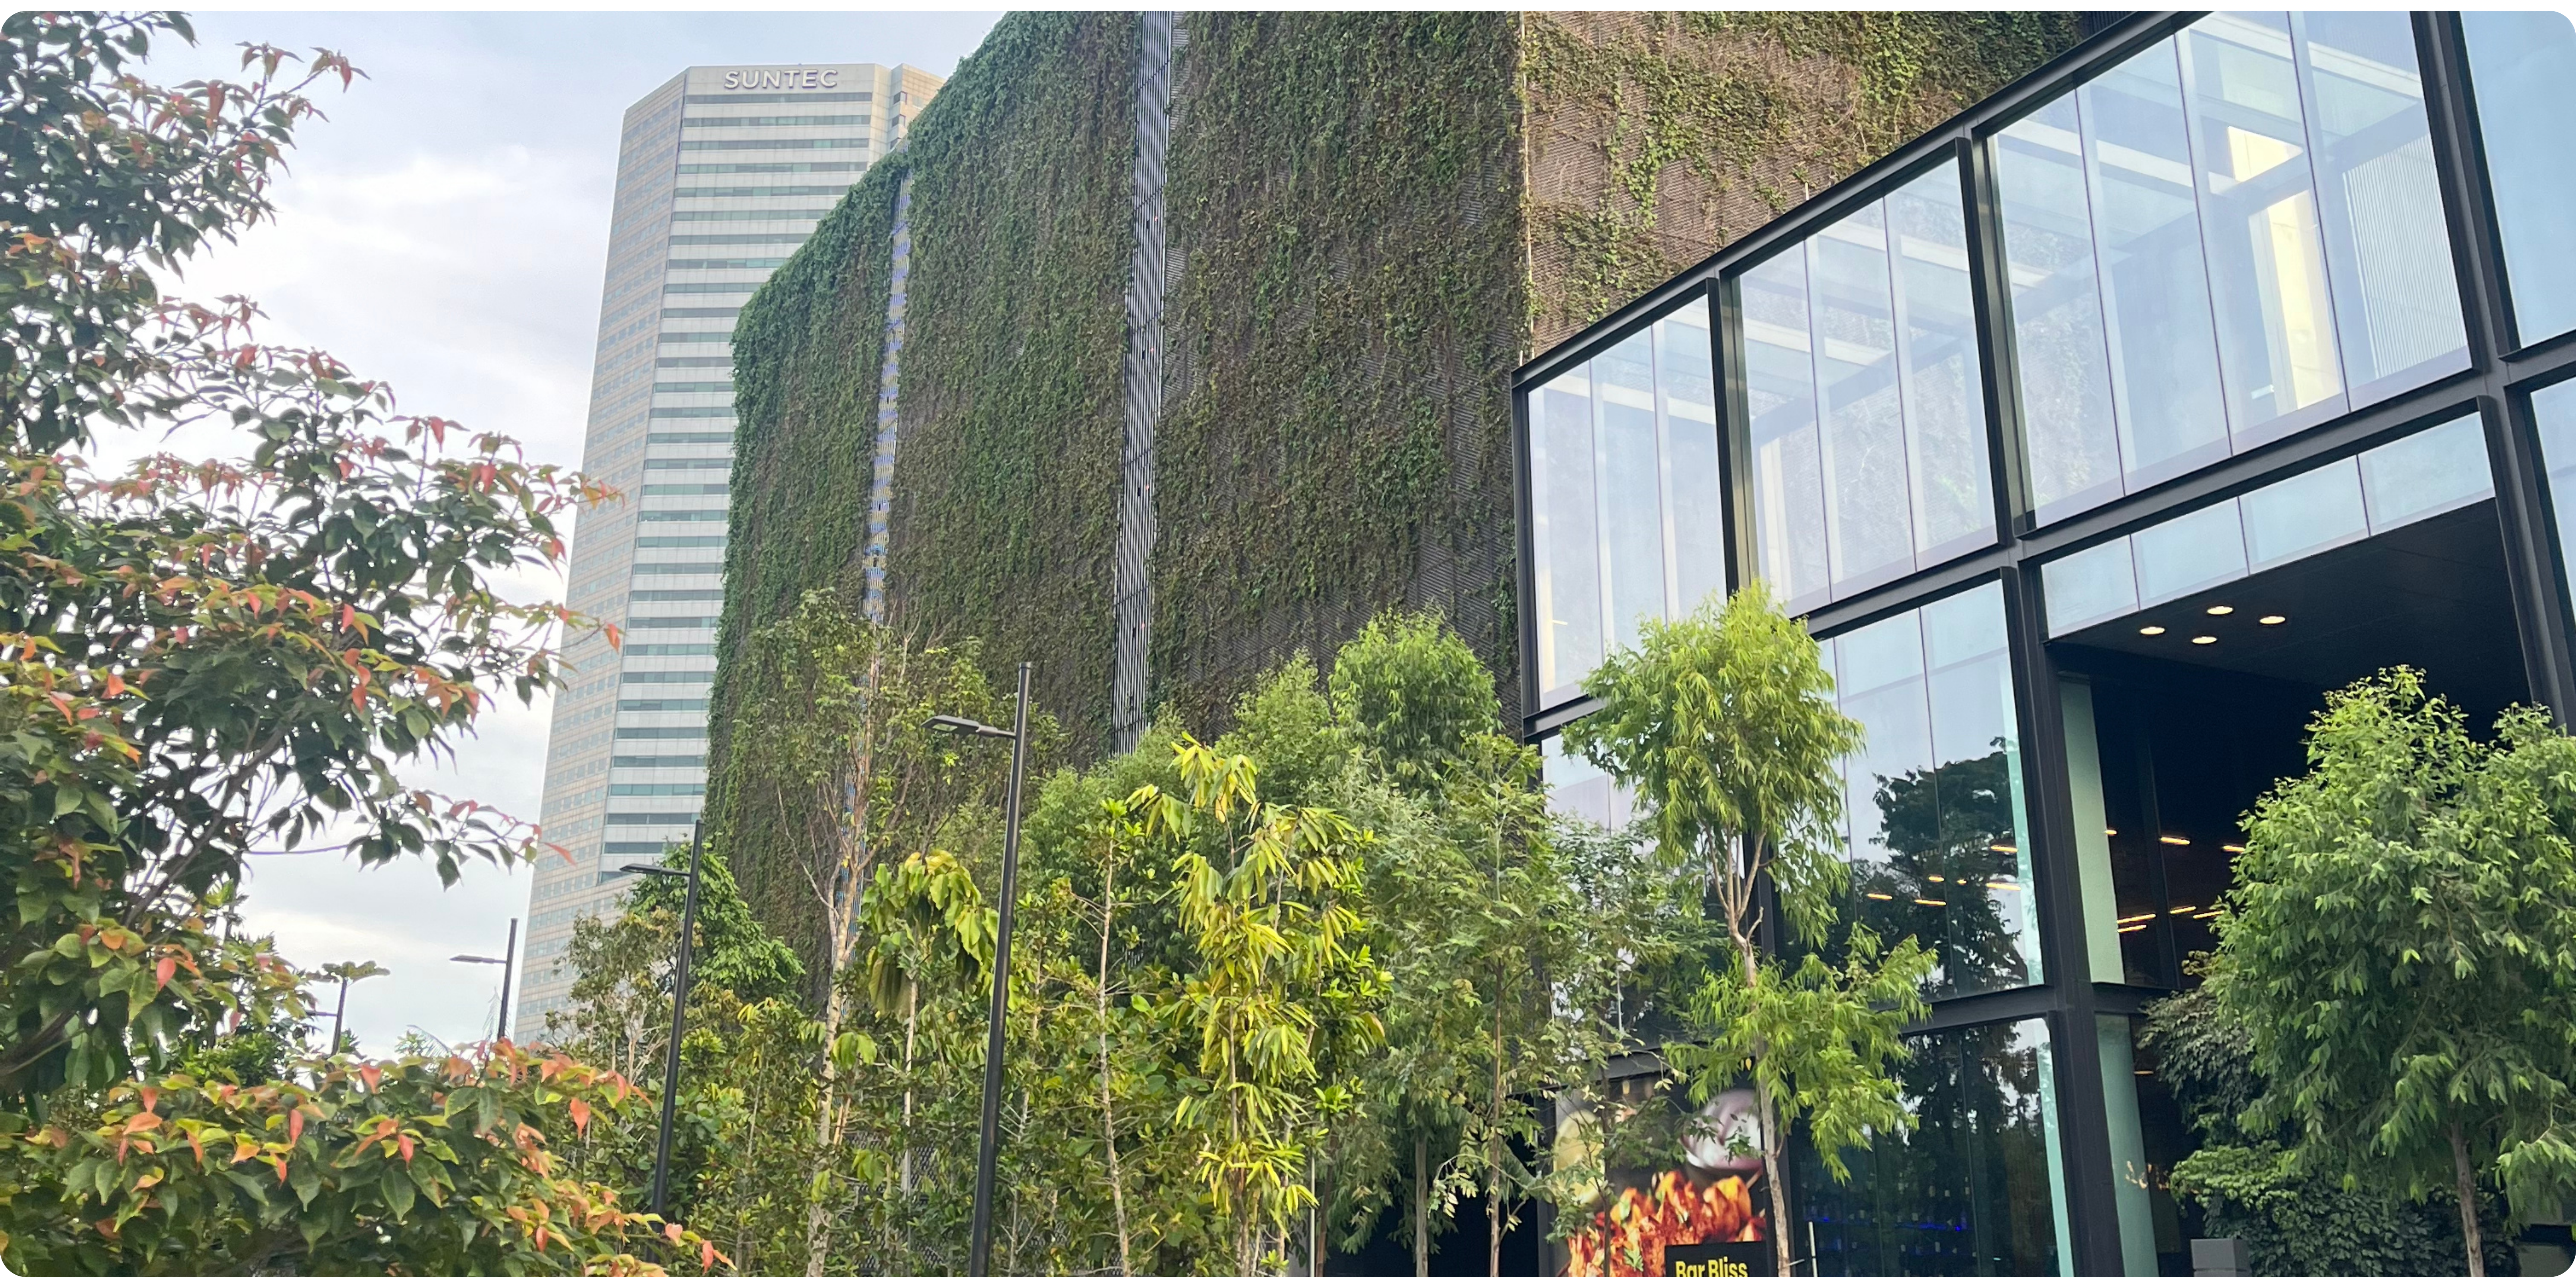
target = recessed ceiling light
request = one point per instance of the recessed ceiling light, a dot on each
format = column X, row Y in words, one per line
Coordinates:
column 2273, row 620
column 2220, row 610
column 2175, row 840
column 1932, row 903
column 1876, row 895
column 2233, row 849
column 2151, row 630
column 2204, row 639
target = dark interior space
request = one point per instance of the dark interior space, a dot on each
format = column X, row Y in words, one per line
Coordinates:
column 2198, row 712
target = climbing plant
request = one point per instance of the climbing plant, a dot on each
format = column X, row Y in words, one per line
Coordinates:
column 1340, row 336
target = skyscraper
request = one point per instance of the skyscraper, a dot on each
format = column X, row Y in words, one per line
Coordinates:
column 721, row 174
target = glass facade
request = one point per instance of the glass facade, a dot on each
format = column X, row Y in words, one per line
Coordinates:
column 2244, row 448
column 1863, row 399
column 2417, row 477
column 1970, row 1190
column 2219, row 241
column 1627, row 521
column 1934, row 799
column 2522, row 66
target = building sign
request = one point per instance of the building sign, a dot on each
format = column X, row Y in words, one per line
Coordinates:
column 784, row 78
column 1719, row 1260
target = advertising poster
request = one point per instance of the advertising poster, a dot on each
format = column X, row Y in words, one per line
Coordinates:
column 1681, row 1194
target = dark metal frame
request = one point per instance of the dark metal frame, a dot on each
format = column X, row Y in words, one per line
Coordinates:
column 2498, row 381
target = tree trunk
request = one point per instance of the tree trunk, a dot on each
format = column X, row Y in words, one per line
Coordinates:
column 1773, row 1180
column 1322, row 1218
column 1421, row 1207
column 2468, row 1182
column 1493, row 1149
column 1108, row 1114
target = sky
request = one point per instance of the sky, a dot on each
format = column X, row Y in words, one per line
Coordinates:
column 446, row 230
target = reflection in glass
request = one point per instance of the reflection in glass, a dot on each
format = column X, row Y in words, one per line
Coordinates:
column 2304, row 514
column 2259, row 219
column 2164, row 357
column 1864, row 398
column 2425, row 474
column 2194, row 552
column 1780, row 403
column 2554, row 409
column 2397, row 303
column 2089, row 586
column 2074, row 455
column 2522, row 68
column 1945, row 401
column 1689, row 396
column 1934, row 798
column 1972, row 1189
column 1867, row 537
column 1579, row 788
column 1563, row 536
column 1631, row 485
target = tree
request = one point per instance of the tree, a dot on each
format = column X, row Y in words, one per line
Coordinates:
column 1723, row 724
column 2400, row 947
column 200, row 660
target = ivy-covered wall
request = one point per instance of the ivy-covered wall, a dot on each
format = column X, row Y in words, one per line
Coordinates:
column 1655, row 139
column 1344, row 317
column 1372, row 218
column 805, row 397
column 1006, row 473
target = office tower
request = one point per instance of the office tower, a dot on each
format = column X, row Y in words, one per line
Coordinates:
column 721, row 174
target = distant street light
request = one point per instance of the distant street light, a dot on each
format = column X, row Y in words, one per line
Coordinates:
column 679, row 1011
column 507, row 961
column 980, row 1255
column 347, row 973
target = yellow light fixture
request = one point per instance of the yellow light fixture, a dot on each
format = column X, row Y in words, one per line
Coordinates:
column 2110, row 831
column 2138, row 916
column 2001, row 884
column 2274, row 619
column 2188, row 907
column 2151, row 630
column 2219, row 610
column 2204, row 916
column 2126, row 929
column 2175, row 840
column 2001, row 848
column 1932, row 903
column 2204, row 639
column 1934, row 877
column 1883, row 898
column 2233, row 849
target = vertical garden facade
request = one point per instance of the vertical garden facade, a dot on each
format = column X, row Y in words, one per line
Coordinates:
column 2097, row 434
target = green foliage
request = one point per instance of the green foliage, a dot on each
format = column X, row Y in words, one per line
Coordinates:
column 2400, row 946
column 2293, row 1222
column 1723, row 723
column 413, row 1167
column 1341, row 330
column 1415, row 695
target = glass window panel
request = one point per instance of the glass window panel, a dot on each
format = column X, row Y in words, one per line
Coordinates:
column 2304, row 514
column 1990, row 939
column 1623, row 384
column 2070, row 437
column 1972, row 1188
column 2555, row 410
column 1577, row 787
column 1869, row 537
column 2259, row 222
column 2194, row 552
column 2522, row 67
column 2089, row 586
column 2164, row 355
column 1888, row 800
column 1945, row 403
column 2397, row 301
column 1697, row 509
column 2427, row 473
column 1564, row 539
column 1780, row 402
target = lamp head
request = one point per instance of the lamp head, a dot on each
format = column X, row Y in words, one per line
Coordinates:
column 653, row 870
column 970, row 728
column 478, row 961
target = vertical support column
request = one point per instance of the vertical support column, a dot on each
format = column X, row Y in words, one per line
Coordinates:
column 889, row 386
column 1132, row 604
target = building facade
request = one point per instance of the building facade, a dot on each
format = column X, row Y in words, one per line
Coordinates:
column 2097, row 434
column 722, row 173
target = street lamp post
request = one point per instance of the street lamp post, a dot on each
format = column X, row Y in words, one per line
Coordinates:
column 679, row 1013
column 980, row 1257
column 508, row 962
